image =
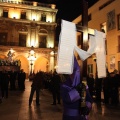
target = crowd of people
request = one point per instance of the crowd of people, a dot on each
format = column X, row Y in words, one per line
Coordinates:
column 44, row 80
column 11, row 80
column 16, row 80
column 108, row 85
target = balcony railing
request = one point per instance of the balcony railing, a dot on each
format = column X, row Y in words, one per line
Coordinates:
column 28, row 3
column 10, row 43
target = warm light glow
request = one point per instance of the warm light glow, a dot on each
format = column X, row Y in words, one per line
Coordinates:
column 85, row 36
column 34, row 17
column 52, row 53
column 14, row 13
column 32, row 55
column 53, row 6
column 51, row 65
column 32, row 52
column 1, row 11
column 34, row 3
column 56, row 67
column 11, row 50
column 32, row 42
column 49, row 17
column 50, row 44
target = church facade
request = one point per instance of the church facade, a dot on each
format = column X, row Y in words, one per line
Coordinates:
column 26, row 26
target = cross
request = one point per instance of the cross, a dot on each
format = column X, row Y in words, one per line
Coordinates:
column 85, row 32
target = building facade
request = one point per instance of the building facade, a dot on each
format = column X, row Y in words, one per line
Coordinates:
column 24, row 25
column 104, row 16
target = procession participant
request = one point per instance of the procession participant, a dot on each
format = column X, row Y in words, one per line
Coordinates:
column 71, row 96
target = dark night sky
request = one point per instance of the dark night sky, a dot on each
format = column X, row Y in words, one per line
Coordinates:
column 67, row 9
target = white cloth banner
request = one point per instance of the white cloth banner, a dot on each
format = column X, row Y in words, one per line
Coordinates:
column 67, row 45
column 100, row 53
column 67, row 41
column 92, row 46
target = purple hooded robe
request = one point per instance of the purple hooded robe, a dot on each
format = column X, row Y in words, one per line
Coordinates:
column 70, row 96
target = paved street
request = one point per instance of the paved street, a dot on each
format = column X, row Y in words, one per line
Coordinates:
column 16, row 107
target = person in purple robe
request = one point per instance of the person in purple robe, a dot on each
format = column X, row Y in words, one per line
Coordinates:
column 71, row 97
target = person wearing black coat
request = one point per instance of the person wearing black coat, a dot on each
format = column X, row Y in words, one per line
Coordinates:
column 90, row 83
column 5, row 82
column 114, row 94
column 12, row 80
column 36, row 86
column 55, row 84
column 21, row 80
column 0, row 86
column 98, row 88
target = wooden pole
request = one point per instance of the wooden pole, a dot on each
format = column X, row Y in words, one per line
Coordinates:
column 84, row 43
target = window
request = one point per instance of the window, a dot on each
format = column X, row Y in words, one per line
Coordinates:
column 43, row 17
column 23, row 15
column 42, row 41
column 90, row 68
column 118, row 21
column 79, row 39
column 106, row 4
column 5, row 14
column 3, row 38
column 119, row 67
column 118, row 43
column 22, row 40
column 111, row 20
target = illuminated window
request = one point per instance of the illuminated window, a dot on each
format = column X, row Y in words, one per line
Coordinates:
column 43, row 17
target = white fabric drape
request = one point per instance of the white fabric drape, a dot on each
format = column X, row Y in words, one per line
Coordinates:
column 67, row 45
column 67, row 41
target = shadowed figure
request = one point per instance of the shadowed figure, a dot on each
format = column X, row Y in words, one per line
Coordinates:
column 72, row 98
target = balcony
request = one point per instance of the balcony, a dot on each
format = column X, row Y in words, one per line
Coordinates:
column 26, row 3
column 9, row 43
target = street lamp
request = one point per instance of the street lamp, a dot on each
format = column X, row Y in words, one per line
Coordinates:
column 31, row 58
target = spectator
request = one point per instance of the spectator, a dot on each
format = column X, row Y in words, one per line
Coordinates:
column 90, row 83
column 36, row 86
column 55, row 82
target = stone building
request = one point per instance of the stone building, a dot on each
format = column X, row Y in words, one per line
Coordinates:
column 104, row 15
column 25, row 26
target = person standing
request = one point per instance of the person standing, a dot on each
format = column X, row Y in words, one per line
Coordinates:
column 71, row 96
column 5, row 82
column 106, row 88
column 36, row 86
column 0, row 87
column 55, row 82
column 13, row 80
column 21, row 80
column 114, row 89
column 90, row 83
column 98, row 88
